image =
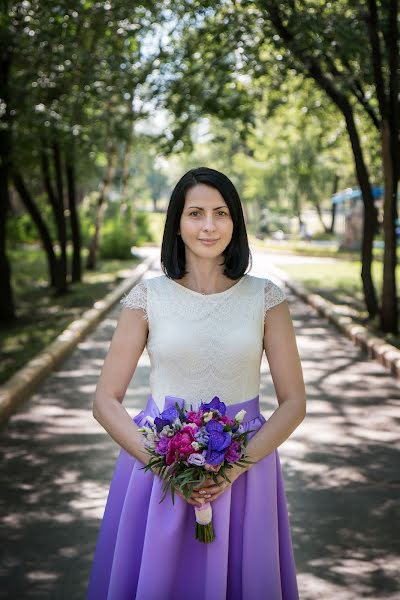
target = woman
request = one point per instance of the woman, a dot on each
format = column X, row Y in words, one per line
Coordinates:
column 205, row 323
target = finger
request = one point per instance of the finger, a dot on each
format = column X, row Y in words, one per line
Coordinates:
column 214, row 489
column 205, row 484
column 190, row 500
column 214, row 497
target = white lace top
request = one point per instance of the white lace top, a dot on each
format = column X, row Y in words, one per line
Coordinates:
column 204, row 345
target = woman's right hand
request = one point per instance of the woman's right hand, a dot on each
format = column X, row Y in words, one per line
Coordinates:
column 190, row 500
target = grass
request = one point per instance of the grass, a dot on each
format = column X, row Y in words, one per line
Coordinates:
column 303, row 248
column 340, row 283
column 42, row 316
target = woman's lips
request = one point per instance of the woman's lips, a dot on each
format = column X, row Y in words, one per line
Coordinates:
column 209, row 242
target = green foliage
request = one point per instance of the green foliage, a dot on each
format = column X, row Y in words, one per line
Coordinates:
column 122, row 231
column 143, row 232
column 20, row 230
column 116, row 240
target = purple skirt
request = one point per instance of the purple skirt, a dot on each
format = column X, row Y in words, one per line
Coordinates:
column 148, row 551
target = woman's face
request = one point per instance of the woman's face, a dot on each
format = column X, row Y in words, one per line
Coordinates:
column 205, row 216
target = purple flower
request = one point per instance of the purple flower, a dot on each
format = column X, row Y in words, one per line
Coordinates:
column 166, row 417
column 214, row 457
column 233, row 453
column 215, row 404
column 214, row 425
column 201, row 436
column 219, row 440
column 162, row 445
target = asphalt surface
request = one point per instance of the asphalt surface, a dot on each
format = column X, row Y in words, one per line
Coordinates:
column 340, row 469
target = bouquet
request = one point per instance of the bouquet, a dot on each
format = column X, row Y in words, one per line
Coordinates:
column 187, row 446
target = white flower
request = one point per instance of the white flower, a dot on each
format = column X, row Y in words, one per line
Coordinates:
column 207, row 416
column 151, row 438
column 193, row 425
column 177, row 423
column 150, row 420
column 195, row 445
column 240, row 416
column 196, row 459
column 145, row 430
column 167, row 430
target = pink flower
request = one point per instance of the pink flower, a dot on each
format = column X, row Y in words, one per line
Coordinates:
column 191, row 429
column 233, row 452
column 180, row 445
column 194, row 417
column 225, row 419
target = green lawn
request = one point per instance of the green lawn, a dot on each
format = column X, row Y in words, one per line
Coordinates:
column 42, row 316
column 340, row 283
column 309, row 249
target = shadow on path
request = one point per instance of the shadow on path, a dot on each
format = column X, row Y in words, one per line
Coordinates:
column 339, row 468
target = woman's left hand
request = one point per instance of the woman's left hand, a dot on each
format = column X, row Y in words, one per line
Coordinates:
column 212, row 490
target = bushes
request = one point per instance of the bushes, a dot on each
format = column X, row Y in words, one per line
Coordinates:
column 120, row 233
column 122, row 227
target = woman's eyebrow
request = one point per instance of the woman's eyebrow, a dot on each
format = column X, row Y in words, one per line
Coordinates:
column 199, row 207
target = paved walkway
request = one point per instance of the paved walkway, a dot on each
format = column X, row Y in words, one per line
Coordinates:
column 340, row 469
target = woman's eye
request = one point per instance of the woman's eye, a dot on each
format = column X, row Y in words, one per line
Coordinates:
column 197, row 212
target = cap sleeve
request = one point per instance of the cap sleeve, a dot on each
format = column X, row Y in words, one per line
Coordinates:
column 273, row 295
column 136, row 298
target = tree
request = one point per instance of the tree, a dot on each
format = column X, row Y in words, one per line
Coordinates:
column 326, row 42
column 67, row 72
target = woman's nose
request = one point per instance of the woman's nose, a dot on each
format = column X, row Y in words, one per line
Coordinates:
column 209, row 223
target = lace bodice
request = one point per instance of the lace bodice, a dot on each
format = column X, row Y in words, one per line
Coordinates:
column 204, row 345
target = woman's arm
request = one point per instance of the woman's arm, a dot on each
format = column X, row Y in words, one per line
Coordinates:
column 127, row 345
column 284, row 361
column 283, row 357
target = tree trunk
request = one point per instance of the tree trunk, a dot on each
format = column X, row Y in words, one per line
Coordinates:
column 370, row 221
column 312, row 68
column 100, row 209
column 76, row 270
column 7, row 306
column 125, row 168
column 127, row 150
column 390, row 151
column 62, row 226
column 334, row 207
column 389, row 312
column 319, row 213
column 55, row 276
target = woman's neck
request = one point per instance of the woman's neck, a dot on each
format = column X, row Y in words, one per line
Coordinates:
column 210, row 282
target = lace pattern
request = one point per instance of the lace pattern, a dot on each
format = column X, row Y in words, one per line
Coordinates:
column 136, row 298
column 273, row 295
column 205, row 345
column 200, row 345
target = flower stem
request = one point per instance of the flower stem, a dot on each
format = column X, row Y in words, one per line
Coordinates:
column 205, row 533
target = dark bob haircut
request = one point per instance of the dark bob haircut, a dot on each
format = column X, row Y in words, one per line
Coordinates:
column 237, row 255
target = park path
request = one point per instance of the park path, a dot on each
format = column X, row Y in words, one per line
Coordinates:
column 340, row 469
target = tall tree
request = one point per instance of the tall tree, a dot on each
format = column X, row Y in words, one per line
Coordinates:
column 326, row 42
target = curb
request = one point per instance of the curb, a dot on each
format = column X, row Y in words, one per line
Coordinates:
column 25, row 381
column 376, row 348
